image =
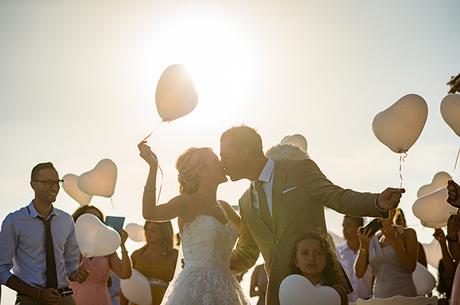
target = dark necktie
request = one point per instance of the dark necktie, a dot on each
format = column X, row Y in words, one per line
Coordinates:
column 51, row 276
column 263, row 205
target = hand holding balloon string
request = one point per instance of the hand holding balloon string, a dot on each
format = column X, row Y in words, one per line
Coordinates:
column 149, row 156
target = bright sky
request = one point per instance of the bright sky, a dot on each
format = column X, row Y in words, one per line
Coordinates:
column 77, row 85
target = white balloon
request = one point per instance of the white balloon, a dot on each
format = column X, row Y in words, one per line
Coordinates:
column 94, row 238
column 137, row 289
column 424, row 281
column 399, row 300
column 433, row 210
column 450, row 111
column 285, row 152
column 101, row 180
column 400, row 125
column 176, row 95
column 135, row 232
column 433, row 253
column 439, row 180
column 70, row 186
column 297, row 290
column 297, row 140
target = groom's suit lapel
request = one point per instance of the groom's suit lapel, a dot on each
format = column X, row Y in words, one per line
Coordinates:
column 279, row 180
column 254, row 214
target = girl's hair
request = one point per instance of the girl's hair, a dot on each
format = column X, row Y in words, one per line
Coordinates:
column 331, row 273
column 189, row 165
column 167, row 235
column 86, row 209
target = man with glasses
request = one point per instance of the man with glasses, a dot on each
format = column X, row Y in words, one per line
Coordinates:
column 39, row 245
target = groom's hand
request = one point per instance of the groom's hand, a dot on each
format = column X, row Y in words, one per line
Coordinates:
column 389, row 198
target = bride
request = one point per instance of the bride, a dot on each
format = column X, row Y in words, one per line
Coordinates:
column 209, row 228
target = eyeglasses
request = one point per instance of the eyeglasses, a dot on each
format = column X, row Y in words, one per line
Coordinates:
column 50, row 183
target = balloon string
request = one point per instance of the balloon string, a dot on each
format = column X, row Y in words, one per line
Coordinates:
column 402, row 158
column 83, row 260
column 161, row 185
column 155, row 129
column 111, row 201
column 456, row 160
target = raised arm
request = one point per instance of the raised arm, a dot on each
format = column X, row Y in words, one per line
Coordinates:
column 347, row 201
column 449, row 263
column 150, row 209
column 121, row 267
column 362, row 261
column 453, row 226
column 406, row 252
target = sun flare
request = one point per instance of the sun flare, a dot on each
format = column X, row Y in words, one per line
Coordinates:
column 218, row 57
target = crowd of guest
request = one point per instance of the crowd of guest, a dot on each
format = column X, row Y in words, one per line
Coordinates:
column 43, row 263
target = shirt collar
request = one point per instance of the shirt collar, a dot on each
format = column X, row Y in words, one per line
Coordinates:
column 267, row 172
column 34, row 213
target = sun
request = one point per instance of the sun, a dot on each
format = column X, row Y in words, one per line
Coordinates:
column 218, row 56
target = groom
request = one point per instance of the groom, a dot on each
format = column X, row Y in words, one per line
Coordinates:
column 284, row 200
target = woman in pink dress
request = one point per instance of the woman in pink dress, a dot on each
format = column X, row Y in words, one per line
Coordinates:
column 94, row 291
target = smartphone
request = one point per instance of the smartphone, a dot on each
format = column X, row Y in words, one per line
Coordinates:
column 115, row 222
column 374, row 226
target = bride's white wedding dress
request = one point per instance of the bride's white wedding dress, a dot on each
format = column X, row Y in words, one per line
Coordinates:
column 206, row 278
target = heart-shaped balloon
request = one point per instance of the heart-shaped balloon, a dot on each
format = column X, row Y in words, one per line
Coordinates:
column 433, row 252
column 439, row 180
column 101, row 180
column 135, row 232
column 94, row 238
column 176, row 95
column 400, row 125
column 297, row 140
column 297, row 290
column 433, row 209
column 70, row 186
column 137, row 289
column 450, row 111
column 424, row 281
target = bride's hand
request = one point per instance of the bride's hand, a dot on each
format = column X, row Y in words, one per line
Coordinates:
column 147, row 154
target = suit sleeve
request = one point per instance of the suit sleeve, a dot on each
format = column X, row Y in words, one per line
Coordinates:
column 344, row 201
column 246, row 253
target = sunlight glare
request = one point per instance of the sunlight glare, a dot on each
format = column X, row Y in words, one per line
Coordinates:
column 218, row 57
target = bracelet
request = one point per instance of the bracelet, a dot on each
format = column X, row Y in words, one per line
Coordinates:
column 38, row 294
column 148, row 189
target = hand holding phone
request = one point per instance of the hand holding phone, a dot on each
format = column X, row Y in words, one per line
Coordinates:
column 115, row 222
column 372, row 227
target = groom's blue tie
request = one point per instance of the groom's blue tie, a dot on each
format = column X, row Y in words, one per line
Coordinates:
column 263, row 205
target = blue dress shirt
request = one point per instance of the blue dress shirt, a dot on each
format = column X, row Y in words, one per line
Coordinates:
column 22, row 240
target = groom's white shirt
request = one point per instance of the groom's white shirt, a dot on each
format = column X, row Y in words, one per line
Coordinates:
column 266, row 176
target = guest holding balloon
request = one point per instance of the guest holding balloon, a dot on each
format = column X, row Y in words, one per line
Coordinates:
column 347, row 253
column 453, row 228
column 446, row 269
column 393, row 257
column 39, row 251
column 94, row 290
column 400, row 220
column 312, row 258
column 157, row 259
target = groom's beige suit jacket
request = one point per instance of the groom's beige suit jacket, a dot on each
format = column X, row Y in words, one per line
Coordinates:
column 300, row 192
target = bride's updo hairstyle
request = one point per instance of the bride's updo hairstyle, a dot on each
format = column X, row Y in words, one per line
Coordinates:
column 189, row 166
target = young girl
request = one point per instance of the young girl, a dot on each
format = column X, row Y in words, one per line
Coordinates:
column 312, row 258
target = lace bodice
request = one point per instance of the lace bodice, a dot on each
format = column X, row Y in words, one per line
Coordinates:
column 206, row 278
column 206, row 242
